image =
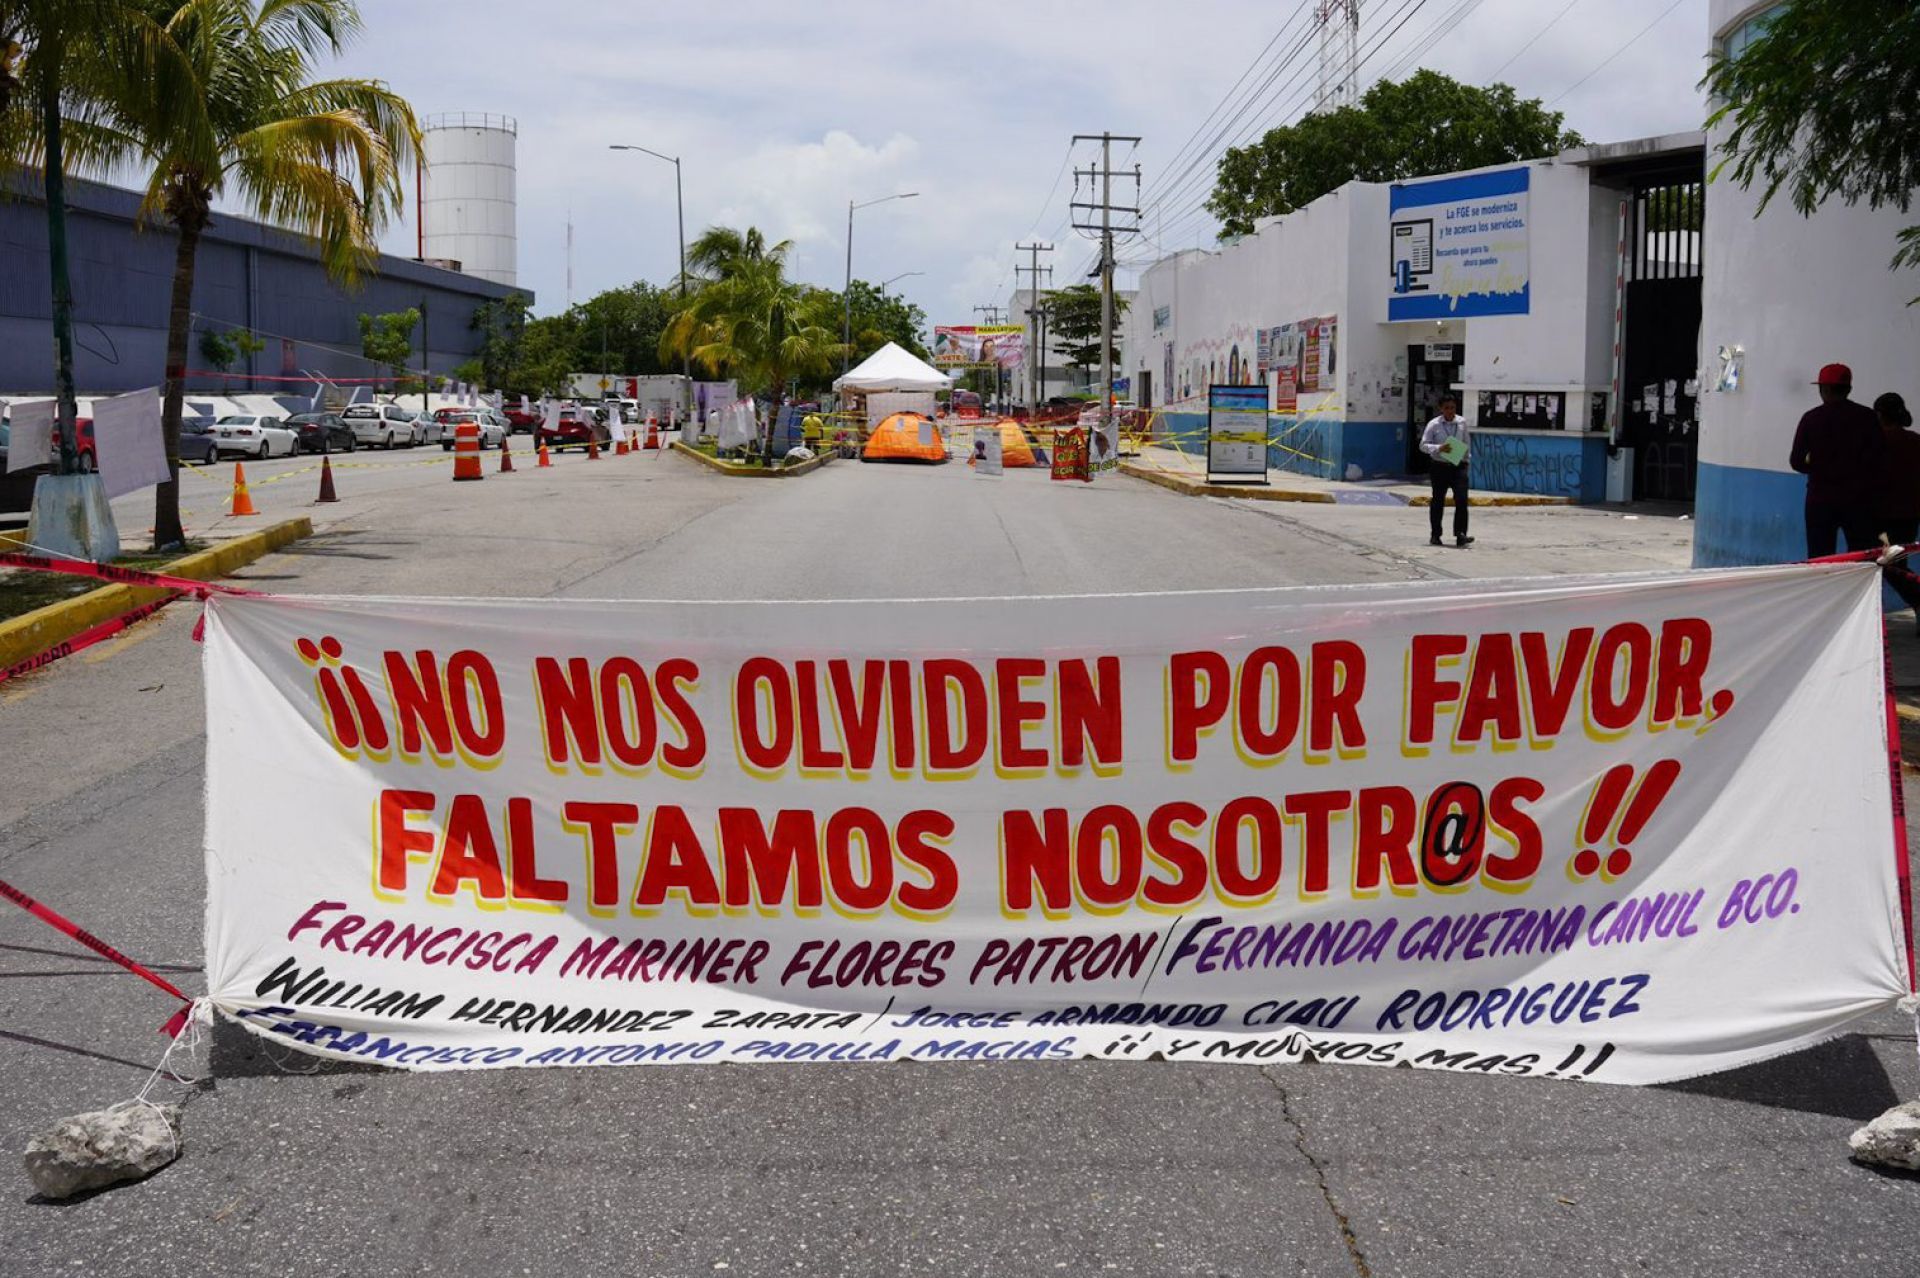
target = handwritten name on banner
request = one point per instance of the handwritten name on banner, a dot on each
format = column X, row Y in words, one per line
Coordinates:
column 1625, row 829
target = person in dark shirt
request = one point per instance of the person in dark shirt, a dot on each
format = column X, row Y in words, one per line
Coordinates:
column 1838, row 447
column 1898, row 492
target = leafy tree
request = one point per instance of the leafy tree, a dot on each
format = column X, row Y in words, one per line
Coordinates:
column 471, row 371
column 388, row 339
column 880, row 317
column 549, row 352
column 627, row 325
column 748, row 320
column 1074, row 325
column 323, row 158
column 218, row 350
column 501, row 323
column 1822, row 104
column 1427, row 123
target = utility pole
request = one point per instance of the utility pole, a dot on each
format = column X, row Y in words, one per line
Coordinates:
column 1107, row 230
column 1033, row 269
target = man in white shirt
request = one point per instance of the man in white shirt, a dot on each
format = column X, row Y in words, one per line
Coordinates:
column 1445, row 441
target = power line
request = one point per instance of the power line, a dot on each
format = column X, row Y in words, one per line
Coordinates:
column 1552, row 22
column 1617, row 52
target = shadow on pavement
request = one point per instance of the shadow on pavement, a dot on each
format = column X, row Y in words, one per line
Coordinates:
column 237, row 1053
column 1842, row 1078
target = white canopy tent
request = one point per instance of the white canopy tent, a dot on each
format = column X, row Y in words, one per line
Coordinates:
column 894, row 380
column 893, row 368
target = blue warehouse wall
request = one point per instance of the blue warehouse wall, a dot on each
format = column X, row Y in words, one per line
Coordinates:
column 247, row 275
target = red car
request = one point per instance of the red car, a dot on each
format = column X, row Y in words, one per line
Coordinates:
column 575, row 426
column 522, row 419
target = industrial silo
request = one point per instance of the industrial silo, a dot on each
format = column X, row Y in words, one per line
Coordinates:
column 467, row 194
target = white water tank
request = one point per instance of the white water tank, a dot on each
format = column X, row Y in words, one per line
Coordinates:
column 468, row 193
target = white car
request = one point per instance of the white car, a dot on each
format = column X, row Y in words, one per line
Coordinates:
column 251, row 435
column 493, row 427
column 427, row 430
column 379, row 425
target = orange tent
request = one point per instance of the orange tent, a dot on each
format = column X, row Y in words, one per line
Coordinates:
column 899, row 437
column 1014, row 448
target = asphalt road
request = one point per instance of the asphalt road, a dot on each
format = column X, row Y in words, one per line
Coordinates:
column 995, row 1169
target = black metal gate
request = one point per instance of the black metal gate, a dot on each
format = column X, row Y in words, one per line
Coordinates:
column 1660, row 356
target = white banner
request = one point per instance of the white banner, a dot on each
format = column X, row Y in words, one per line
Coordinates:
column 30, row 434
column 127, row 446
column 1620, row 829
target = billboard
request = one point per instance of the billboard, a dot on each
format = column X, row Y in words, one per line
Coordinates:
column 979, row 346
column 1457, row 246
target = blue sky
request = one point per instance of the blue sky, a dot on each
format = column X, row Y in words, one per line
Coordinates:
column 782, row 112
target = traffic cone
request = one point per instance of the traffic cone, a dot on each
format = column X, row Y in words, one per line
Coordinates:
column 242, row 502
column 593, row 447
column 544, row 459
column 466, row 451
column 326, row 481
column 620, row 447
column 653, row 433
column 506, row 457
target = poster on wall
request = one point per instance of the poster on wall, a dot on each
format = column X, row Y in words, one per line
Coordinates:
column 979, row 346
column 1237, row 433
column 1457, row 246
column 1171, row 392
column 1286, row 397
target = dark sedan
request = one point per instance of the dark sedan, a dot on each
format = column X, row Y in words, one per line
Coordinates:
column 199, row 446
column 321, row 433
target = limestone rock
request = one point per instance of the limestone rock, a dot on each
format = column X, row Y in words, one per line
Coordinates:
column 103, row 1147
column 1891, row 1140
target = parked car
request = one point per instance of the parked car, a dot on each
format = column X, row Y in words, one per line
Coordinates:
column 16, row 486
column 493, row 426
column 522, row 421
column 321, row 433
column 253, row 435
column 575, row 427
column 426, row 430
column 379, row 425
column 199, row 445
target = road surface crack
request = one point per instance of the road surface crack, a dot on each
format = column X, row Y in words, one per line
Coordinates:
column 1347, row 1236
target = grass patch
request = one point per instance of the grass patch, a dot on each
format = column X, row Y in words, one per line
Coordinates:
column 22, row 589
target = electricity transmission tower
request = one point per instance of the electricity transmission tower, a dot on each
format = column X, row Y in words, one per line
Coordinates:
column 1338, row 23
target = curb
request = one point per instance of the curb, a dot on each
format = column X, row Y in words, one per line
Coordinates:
column 1198, row 488
column 748, row 472
column 33, row 633
column 1255, row 492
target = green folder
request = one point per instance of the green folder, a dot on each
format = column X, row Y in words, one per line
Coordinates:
column 1453, row 450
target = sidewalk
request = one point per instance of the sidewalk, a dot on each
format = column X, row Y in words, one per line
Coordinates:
column 1186, row 474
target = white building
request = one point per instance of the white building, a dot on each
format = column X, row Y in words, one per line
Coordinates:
column 1507, row 304
column 1785, row 294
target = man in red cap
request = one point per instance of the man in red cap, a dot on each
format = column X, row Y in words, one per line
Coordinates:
column 1838, row 447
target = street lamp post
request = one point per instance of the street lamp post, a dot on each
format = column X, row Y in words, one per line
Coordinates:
column 680, row 215
column 896, row 279
column 846, row 295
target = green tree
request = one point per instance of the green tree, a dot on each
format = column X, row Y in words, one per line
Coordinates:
column 748, row 320
column 549, row 351
column 620, row 329
column 1822, row 104
column 1427, row 123
column 880, row 317
column 217, row 350
column 1074, row 325
column 501, row 323
column 387, row 340
column 323, row 158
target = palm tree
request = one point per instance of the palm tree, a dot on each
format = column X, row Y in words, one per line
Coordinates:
column 321, row 158
column 64, row 65
column 749, row 319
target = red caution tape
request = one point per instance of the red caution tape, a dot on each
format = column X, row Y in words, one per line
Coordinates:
column 125, row 576
column 86, row 638
column 61, row 923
